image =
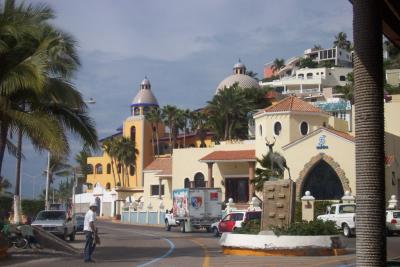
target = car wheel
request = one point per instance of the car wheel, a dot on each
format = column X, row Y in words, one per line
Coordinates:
column 21, row 243
column 215, row 231
column 72, row 236
column 182, row 225
column 167, row 226
column 346, row 230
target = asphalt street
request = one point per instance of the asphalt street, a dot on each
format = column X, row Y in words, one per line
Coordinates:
column 130, row 245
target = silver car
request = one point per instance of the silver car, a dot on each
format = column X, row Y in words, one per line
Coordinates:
column 56, row 222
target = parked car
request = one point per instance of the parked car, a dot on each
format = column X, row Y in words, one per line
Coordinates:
column 56, row 222
column 344, row 217
column 78, row 220
column 234, row 220
column 392, row 222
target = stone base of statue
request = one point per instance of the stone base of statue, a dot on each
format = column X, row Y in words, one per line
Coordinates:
column 279, row 198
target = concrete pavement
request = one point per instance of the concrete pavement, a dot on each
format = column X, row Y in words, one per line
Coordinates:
column 129, row 245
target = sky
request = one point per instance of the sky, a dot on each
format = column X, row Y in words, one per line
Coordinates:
column 184, row 47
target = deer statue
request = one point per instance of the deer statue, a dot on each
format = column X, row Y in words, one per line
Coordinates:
column 276, row 158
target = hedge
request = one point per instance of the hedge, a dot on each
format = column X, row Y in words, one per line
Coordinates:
column 319, row 208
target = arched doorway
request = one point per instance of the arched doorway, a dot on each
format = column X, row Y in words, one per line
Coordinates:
column 199, row 180
column 323, row 182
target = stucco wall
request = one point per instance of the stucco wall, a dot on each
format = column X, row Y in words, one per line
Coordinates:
column 150, row 178
column 341, row 150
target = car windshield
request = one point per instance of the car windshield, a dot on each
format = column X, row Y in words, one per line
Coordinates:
column 347, row 209
column 51, row 215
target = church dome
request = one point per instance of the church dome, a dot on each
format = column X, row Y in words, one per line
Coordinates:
column 145, row 96
column 239, row 76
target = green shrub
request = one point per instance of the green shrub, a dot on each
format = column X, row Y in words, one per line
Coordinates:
column 319, row 209
column 32, row 207
column 317, row 227
column 251, row 227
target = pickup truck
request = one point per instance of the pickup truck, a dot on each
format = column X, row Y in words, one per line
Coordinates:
column 194, row 208
column 344, row 217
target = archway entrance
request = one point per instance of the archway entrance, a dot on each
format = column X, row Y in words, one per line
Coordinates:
column 323, row 182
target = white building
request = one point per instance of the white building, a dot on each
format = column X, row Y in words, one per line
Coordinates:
column 310, row 81
column 335, row 55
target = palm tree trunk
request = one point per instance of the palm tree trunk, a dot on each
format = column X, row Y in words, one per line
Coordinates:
column 127, row 175
column 158, row 142
column 17, row 194
column 226, row 128
column 369, row 132
column 152, row 141
column 3, row 141
column 113, row 173
column 170, row 138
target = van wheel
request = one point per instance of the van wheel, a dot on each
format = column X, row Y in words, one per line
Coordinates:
column 167, row 226
column 182, row 225
column 346, row 230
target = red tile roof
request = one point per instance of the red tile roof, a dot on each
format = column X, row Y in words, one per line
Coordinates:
column 341, row 134
column 231, row 155
column 293, row 103
column 163, row 165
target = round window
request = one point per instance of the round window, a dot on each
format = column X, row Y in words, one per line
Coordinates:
column 277, row 128
column 304, row 128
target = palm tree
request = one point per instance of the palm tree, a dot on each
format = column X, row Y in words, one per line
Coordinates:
column 317, row 47
column 37, row 99
column 4, row 185
column 81, row 160
column 229, row 107
column 369, row 133
column 200, row 125
column 126, row 154
column 154, row 117
column 110, row 147
column 187, row 114
column 341, row 41
column 278, row 64
column 168, row 115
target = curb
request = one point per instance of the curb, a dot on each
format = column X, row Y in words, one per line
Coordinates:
column 285, row 252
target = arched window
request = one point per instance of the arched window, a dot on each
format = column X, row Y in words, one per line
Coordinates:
column 108, row 168
column 119, row 168
column 89, row 169
column 300, row 76
column 133, row 133
column 309, row 75
column 277, row 128
column 99, row 169
column 136, row 111
column 131, row 170
column 108, row 186
column 199, row 180
column 187, row 183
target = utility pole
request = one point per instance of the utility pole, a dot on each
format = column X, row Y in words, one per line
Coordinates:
column 47, row 182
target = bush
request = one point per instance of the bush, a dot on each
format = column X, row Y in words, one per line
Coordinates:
column 31, row 207
column 319, row 209
column 304, row 228
column 251, row 227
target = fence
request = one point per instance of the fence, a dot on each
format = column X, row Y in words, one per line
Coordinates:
column 143, row 217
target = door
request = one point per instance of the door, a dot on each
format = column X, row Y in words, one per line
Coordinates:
column 238, row 189
column 227, row 224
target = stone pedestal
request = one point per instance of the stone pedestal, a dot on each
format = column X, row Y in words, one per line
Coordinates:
column 348, row 198
column 307, row 207
column 278, row 204
column 393, row 203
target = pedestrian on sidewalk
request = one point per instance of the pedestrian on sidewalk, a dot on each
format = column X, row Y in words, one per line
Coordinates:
column 90, row 231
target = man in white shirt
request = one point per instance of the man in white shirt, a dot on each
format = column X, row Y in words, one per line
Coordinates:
column 90, row 231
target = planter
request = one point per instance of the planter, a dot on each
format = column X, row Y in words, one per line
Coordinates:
column 272, row 245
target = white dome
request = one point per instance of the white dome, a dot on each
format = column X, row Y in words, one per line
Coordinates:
column 145, row 96
column 244, row 81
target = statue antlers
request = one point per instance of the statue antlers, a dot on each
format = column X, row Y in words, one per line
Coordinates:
column 269, row 145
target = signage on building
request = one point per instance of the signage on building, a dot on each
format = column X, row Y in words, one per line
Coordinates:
column 322, row 142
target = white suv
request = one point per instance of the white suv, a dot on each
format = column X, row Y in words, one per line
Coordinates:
column 392, row 221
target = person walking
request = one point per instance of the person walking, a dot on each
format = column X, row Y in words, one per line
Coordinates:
column 90, row 231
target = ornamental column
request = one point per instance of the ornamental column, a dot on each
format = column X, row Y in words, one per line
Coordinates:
column 252, row 166
column 210, row 174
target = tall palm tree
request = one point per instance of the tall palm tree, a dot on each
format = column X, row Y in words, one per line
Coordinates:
column 110, row 146
column 278, row 64
column 341, row 41
column 186, row 119
column 168, row 114
column 36, row 97
column 369, row 133
column 200, row 125
column 155, row 118
column 229, row 106
column 81, row 160
column 126, row 154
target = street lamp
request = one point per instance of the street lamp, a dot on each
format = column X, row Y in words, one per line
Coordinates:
column 90, row 101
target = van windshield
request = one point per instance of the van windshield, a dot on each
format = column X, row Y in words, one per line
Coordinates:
column 51, row 215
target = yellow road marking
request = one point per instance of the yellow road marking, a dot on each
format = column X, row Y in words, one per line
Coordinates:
column 206, row 261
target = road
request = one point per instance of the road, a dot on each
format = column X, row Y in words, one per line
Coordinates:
column 129, row 245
